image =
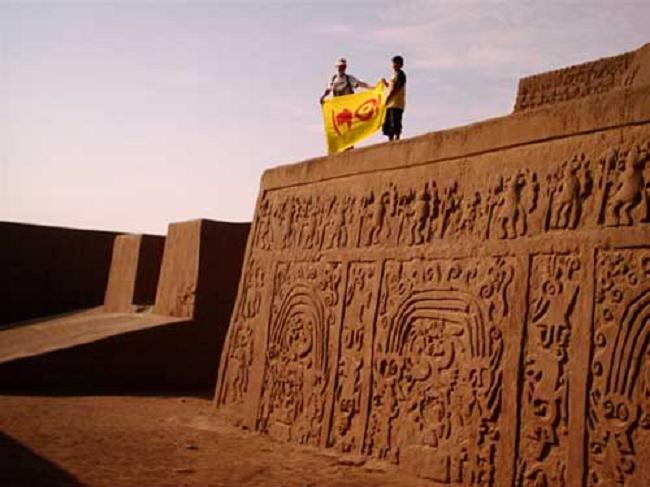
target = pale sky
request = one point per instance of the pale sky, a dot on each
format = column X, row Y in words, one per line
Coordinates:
column 127, row 115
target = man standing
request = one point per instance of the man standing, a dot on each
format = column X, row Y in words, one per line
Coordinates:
column 342, row 83
column 395, row 101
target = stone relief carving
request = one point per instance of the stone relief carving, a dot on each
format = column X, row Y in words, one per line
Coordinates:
column 351, row 392
column 554, row 284
column 619, row 394
column 437, row 372
column 567, row 188
column 381, row 342
column 305, row 308
column 516, row 197
column 624, row 190
column 235, row 382
column 576, row 81
column 583, row 190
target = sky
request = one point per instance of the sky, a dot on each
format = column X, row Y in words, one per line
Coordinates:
column 128, row 115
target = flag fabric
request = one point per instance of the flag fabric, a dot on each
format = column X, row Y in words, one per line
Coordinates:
column 349, row 119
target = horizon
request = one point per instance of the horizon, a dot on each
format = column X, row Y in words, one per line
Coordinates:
column 131, row 115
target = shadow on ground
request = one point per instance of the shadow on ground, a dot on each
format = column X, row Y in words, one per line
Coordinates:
column 22, row 467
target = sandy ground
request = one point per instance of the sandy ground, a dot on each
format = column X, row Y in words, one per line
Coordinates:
column 158, row 441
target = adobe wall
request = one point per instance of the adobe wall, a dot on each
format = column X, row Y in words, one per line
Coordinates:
column 472, row 304
column 630, row 69
column 50, row 270
column 200, row 269
column 134, row 272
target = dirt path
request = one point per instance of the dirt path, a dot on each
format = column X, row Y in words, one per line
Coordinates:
column 152, row 441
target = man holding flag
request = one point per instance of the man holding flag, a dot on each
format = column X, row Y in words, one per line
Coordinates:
column 342, row 83
column 395, row 100
column 350, row 117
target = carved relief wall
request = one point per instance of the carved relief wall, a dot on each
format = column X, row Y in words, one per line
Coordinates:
column 554, row 288
column 619, row 393
column 437, row 368
column 479, row 319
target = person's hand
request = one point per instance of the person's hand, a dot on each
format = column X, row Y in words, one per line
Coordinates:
column 322, row 99
column 383, row 80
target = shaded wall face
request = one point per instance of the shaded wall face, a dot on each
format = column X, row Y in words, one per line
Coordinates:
column 200, row 270
column 479, row 320
column 49, row 270
column 134, row 272
column 222, row 254
column 176, row 294
column 148, row 270
column 123, row 272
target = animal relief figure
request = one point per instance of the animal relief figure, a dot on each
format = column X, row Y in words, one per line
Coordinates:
column 516, row 197
column 337, row 229
column 471, row 216
column 449, row 207
column 377, row 208
column 628, row 190
column 566, row 191
column 421, row 212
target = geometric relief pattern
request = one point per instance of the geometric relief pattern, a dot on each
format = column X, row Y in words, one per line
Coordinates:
column 305, row 309
column 619, row 393
column 437, row 367
column 554, row 285
column 355, row 349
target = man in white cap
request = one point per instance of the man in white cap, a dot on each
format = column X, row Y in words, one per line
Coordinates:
column 342, row 83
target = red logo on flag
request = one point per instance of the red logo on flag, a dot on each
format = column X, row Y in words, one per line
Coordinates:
column 364, row 112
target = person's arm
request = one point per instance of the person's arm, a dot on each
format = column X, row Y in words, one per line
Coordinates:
column 356, row 83
column 395, row 84
column 327, row 92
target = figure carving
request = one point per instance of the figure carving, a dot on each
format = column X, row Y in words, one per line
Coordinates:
column 566, row 191
column 517, row 198
column 629, row 190
column 543, row 442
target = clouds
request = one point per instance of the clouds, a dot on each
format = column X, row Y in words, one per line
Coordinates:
column 495, row 36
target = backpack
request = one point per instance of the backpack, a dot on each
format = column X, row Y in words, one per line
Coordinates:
column 347, row 90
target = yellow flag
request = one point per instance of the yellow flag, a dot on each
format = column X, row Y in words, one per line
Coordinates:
column 351, row 118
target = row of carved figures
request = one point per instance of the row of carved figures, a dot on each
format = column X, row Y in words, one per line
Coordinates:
column 610, row 190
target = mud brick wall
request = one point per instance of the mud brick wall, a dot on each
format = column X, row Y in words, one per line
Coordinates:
column 135, row 268
column 50, row 270
column 611, row 73
column 200, row 269
column 472, row 305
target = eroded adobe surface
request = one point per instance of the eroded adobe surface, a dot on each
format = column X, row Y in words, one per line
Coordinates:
column 473, row 304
